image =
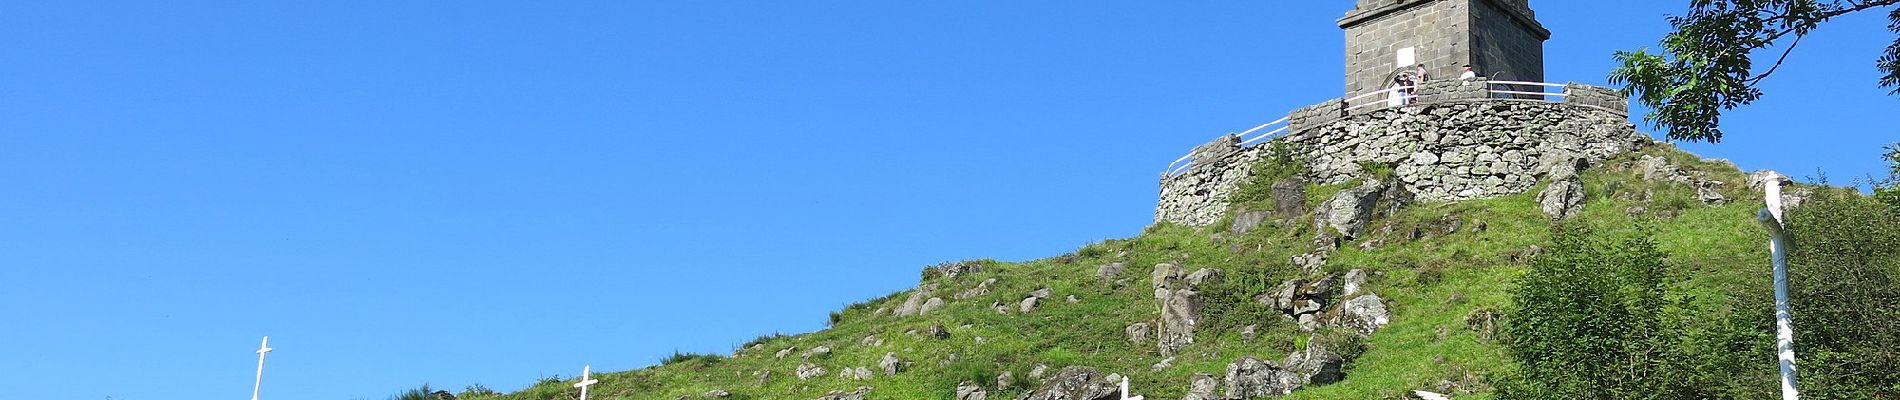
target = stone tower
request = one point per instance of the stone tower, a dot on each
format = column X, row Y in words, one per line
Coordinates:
column 1501, row 39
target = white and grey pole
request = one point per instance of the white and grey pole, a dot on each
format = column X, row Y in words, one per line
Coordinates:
column 587, row 379
column 261, row 349
column 1778, row 250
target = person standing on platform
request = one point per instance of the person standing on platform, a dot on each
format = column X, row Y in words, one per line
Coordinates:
column 1401, row 88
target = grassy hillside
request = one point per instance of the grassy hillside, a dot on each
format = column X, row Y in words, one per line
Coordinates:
column 1443, row 268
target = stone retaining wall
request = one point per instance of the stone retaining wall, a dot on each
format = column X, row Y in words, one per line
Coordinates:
column 1453, row 147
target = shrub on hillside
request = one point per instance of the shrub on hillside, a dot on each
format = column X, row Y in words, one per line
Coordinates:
column 1888, row 191
column 1276, row 163
column 762, row 339
column 1585, row 321
column 1602, row 317
column 476, row 391
column 1594, row 318
column 679, row 357
column 421, row 393
column 1228, row 304
column 1843, row 266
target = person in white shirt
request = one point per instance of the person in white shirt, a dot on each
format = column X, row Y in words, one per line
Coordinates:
column 1401, row 85
column 1469, row 74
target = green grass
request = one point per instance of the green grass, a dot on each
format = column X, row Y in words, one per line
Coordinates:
column 1432, row 284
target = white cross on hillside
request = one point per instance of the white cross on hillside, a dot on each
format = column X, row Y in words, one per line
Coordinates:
column 587, row 372
column 1125, row 390
column 261, row 349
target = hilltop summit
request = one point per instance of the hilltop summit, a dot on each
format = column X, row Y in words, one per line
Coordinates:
column 1358, row 248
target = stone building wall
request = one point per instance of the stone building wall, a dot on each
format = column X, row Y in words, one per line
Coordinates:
column 1456, row 147
column 1435, row 31
column 1505, row 44
column 1501, row 38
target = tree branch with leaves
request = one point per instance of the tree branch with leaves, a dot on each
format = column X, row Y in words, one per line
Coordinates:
column 1707, row 62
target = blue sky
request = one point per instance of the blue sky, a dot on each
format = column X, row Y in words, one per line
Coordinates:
column 486, row 192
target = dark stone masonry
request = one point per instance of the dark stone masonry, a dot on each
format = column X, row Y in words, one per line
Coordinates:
column 1447, row 147
column 1500, row 38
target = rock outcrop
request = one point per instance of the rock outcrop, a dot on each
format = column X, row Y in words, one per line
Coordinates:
column 914, row 304
column 930, row 305
column 1109, row 271
column 1203, row 276
column 981, row 289
column 1247, row 221
column 1302, row 300
column 1075, row 383
column 1250, row 377
column 1316, row 365
column 952, row 270
column 1289, row 197
column 1355, row 281
column 1180, row 313
column 1138, row 333
column 808, row 370
column 1180, row 305
column 1166, row 277
column 1202, row 387
column 856, row 374
column 890, row 364
column 1563, row 198
column 1347, row 212
column 1707, row 190
column 970, row 391
column 1364, row 314
column 843, row 395
column 819, row 352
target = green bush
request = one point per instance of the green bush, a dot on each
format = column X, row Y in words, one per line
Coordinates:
column 1586, row 319
column 1845, row 298
column 475, row 391
column 762, row 339
column 1228, row 304
column 1276, row 163
column 679, row 357
column 420, row 393
column 1888, row 191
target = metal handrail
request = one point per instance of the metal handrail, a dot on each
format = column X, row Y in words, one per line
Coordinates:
column 1172, row 171
column 1186, row 162
column 1489, row 86
column 1283, row 128
column 1520, row 83
column 1270, row 134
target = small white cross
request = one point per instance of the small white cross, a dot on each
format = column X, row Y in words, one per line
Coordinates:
column 261, row 349
column 587, row 379
column 1125, row 390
